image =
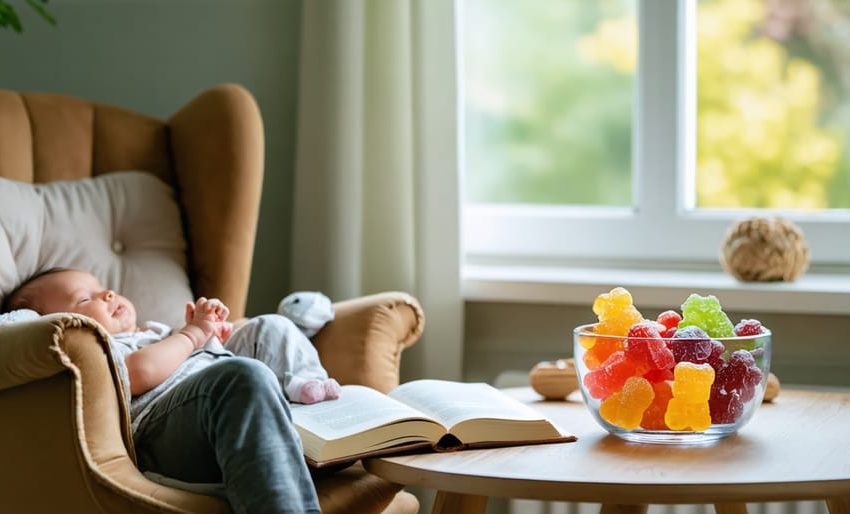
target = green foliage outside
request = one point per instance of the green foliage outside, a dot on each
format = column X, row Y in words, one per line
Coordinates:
column 550, row 126
column 549, row 117
column 9, row 18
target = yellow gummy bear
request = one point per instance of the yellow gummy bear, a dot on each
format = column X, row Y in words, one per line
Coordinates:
column 691, row 389
column 625, row 408
column 692, row 382
column 616, row 312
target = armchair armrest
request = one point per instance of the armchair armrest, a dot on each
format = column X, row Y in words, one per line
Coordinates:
column 363, row 344
column 66, row 422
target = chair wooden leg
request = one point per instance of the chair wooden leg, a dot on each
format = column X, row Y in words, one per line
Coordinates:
column 618, row 508
column 839, row 505
column 730, row 508
column 446, row 503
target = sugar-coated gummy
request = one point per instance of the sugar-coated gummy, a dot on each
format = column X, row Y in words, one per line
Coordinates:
column 646, row 349
column 690, row 344
column 626, row 407
column 653, row 416
column 691, row 389
column 748, row 327
column 609, row 377
column 740, row 374
column 616, row 312
column 725, row 406
column 706, row 313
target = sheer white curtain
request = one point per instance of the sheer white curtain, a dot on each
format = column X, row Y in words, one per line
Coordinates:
column 376, row 184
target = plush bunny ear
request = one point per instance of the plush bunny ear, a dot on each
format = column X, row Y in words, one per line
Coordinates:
column 309, row 310
column 18, row 315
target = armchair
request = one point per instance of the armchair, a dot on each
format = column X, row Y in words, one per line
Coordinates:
column 65, row 433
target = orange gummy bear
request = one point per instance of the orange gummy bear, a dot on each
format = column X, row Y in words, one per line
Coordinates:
column 625, row 408
column 691, row 389
column 653, row 417
column 616, row 312
column 616, row 315
column 599, row 352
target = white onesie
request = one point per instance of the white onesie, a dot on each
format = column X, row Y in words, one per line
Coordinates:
column 270, row 338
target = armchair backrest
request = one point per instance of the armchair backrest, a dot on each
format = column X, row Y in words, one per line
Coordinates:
column 210, row 152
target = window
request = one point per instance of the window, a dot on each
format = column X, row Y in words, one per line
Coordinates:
column 626, row 132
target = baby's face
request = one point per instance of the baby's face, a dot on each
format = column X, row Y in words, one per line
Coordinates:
column 79, row 292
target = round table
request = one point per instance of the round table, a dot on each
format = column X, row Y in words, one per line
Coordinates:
column 797, row 448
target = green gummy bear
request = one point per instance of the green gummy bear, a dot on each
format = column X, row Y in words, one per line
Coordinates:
column 705, row 313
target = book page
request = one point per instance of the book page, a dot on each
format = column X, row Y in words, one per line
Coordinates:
column 358, row 409
column 453, row 402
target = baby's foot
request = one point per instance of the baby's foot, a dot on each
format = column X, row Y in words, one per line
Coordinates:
column 332, row 389
column 312, row 391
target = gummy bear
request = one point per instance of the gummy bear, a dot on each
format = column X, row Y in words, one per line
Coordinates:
column 716, row 357
column 603, row 348
column 626, row 408
column 653, row 416
column 748, row 327
column 646, row 349
column 609, row 378
column 725, row 406
column 658, row 375
column 740, row 374
column 670, row 320
column 616, row 312
column 706, row 313
column 690, row 344
column 691, row 390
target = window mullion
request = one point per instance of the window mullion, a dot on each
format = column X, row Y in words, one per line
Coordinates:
column 657, row 139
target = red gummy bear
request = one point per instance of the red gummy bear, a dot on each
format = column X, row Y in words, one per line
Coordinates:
column 716, row 356
column 691, row 344
column 748, row 327
column 646, row 349
column 609, row 377
column 659, row 375
column 725, row 406
column 670, row 320
column 740, row 374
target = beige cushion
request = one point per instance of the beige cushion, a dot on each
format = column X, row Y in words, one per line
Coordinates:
column 122, row 227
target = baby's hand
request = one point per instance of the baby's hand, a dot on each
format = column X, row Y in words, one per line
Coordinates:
column 225, row 329
column 210, row 315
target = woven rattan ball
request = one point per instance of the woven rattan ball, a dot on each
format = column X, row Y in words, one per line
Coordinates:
column 764, row 250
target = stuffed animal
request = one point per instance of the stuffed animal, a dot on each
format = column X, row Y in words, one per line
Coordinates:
column 309, row 310
column 18, row 315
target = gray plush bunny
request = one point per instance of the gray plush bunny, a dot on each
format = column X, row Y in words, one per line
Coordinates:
column 309, row 310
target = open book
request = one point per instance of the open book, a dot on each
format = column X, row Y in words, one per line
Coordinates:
column 438, row 414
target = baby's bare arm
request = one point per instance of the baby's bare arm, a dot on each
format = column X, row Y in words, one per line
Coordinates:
column 150, row 366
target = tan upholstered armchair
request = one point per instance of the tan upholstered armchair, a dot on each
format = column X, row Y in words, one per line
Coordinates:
column 64, row 430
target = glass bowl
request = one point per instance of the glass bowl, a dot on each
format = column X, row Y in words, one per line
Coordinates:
column 715, row 384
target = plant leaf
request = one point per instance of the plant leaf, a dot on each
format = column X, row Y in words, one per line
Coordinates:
column 40, row 9
column 8, row 16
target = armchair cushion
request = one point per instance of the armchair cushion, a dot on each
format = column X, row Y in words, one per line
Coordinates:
column 123, row 227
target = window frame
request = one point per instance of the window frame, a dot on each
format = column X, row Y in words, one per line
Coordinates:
column 662, row 229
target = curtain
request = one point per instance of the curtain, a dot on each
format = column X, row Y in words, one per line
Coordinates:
column 367, row 182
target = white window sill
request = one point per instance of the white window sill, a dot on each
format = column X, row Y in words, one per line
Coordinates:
column 813, row 293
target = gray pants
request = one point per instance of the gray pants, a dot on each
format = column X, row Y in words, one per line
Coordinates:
column 276, row 341
column 230, row 423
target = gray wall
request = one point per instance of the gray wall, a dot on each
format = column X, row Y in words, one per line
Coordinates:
column 155, row 55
